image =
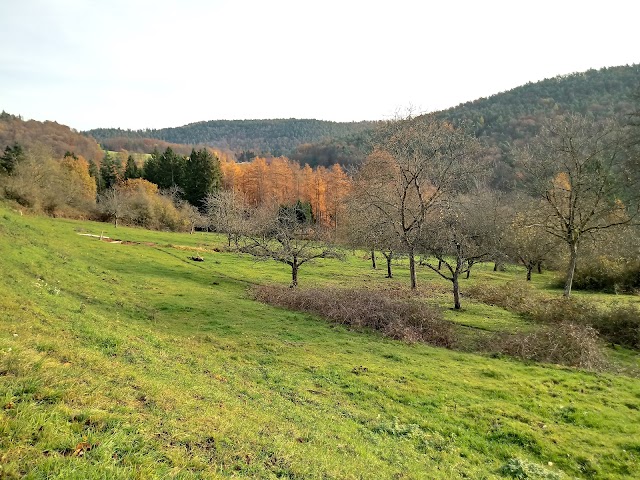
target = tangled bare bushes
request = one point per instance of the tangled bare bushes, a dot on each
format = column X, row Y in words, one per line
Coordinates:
column 611, row 275
column 400, row 320
column 617, row 324
column 620, row 325
column 563, row 338
column 565, row 343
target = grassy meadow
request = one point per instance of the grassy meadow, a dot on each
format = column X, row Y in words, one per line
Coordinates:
column 129, row 360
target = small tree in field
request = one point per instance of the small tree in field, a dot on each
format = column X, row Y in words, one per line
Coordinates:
column 113, row 203
column 192, row 216
column 524, row 241
column 285, row 235
column 225, row 214
column 369, row 229
column 457, row 237
column 580, row 170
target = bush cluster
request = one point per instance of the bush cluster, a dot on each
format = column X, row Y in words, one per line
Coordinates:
column 608, row 275
column 565, row 343
column 620, row 325
column 616, row 324
column 570, row 332
column 524, row 469
column 398, row 319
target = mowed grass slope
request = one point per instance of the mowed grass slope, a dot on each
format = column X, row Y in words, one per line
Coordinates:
column 132, row 361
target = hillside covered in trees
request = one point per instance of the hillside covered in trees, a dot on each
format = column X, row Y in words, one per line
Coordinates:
column 511, row 118
column 499, row 120
column 59, row 138
column 518, row 113
column 272, row 137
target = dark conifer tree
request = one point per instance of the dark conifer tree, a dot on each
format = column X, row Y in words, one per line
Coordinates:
column 110, row 172
column 131, row 170
column 202, row 176
column 11, row 157
column 165, row 170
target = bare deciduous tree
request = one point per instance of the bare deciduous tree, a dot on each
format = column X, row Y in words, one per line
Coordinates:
column 284, row 235
column 458, row 236
column 192, row 216
column 113, row 203
column 524, row 242
column 369, row 229
column 580, row 170
column 225, row 212
column 416, row 163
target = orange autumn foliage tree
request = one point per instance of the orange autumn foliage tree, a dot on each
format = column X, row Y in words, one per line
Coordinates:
column 81, row 187
column 338, row 187
column 135, row 185
column 280, row 181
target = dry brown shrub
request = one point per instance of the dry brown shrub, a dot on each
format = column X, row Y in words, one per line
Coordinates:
column 621, row 325
column 514, row 296
column 409, row 321
column 565, row 343
column 618, row 324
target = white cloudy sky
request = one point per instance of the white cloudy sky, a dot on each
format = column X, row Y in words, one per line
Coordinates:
column 159, row 63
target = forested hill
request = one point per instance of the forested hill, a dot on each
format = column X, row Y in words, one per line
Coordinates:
column 518, row 113
column 275, row 137
column 512, row 117
column 500, row 120
column 59, row 138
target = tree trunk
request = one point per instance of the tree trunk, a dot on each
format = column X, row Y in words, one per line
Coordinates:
column 439, row 264
column 412, row 271
column 539, row 267
column 389, row 258
column 469, row 269
column 529, row 270
column 294, row 274
column 573, row 248
column 456, row 292
column 373, row 259
column 456, row 276
column 495, row 266
column 115, row 222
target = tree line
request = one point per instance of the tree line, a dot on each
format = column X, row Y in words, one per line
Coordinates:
column 274, row 137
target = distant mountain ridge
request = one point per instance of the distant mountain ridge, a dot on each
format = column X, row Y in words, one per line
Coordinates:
column 513, row 117
column 276, row 137
column 499, row 120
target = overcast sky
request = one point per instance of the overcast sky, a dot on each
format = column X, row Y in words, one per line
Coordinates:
column 159, row 63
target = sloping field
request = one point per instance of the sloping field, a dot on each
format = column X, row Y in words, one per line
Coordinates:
column 129, row 360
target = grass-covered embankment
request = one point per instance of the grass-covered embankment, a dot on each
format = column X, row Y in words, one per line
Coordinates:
column 131, row 361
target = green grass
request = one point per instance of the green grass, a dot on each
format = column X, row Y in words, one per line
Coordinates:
column 166, row 368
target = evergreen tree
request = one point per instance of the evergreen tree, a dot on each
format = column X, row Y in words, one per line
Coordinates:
column 110, row 172
column 166, row 170
column 202, row 176
column 11, row 157
column 131, row 170
column 94, row 172
column 151, row 167
column 304, row 212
